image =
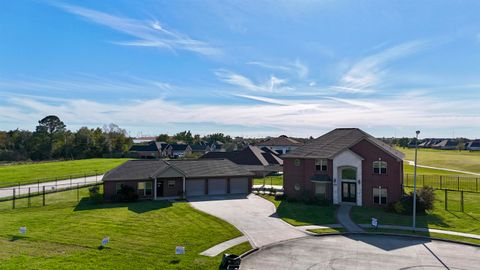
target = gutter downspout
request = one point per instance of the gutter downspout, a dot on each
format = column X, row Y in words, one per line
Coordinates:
column 184, row 195
column 155, row 189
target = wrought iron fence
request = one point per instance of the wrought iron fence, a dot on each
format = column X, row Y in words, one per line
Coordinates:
column 446, row 182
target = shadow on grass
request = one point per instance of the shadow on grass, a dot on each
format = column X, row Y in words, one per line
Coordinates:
column 137, row 207
column 302, row 213
column 13, row 238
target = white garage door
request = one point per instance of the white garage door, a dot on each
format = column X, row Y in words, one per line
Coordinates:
column 217, row 186
column 195, row 187
column 239, row 185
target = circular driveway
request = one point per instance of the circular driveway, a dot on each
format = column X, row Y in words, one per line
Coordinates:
column 362, row 251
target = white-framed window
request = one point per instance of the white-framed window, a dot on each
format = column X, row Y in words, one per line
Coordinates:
column 380, row 167
column 296, row 162
column 321, row 165
column 118, row 187
column 321, row 190
column 171, row 183
column 144, row 188
column 380, row 196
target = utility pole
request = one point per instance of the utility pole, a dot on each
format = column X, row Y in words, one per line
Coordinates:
column 415, row 182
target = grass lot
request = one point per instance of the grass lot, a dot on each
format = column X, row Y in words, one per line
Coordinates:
column 450, row 159
column 143, row 235
column 439, row 218
column 48, row 171
column 408, row 169
column 429, row 234
column 269, row 180
column 300, row 214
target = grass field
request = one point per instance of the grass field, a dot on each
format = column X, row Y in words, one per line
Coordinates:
column 300, row 214
column 143, row 235
column 49, row 171
column 439, row 218
column 450, row 159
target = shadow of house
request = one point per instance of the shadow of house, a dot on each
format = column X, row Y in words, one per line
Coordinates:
column 388, row 242
column 139, row 207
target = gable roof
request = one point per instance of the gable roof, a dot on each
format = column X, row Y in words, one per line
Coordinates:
column 149, row 169
column 445, row 143
column 251, row 155
column 150, row 147
column 179, row 147
column 199, row 147
column 280, row 141
column 337, row 140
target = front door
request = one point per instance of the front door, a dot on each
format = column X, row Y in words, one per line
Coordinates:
column 160, row 189
column 349, row 192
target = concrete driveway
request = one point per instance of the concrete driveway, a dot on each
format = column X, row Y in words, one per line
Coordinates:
column 361, row 251
column 252, row 215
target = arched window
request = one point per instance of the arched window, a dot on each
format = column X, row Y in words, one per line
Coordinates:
column 349, row 174
column 380, row 167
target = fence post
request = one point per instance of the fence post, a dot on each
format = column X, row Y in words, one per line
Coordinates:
column 85, row 178
column 96, row 174
column 70, row 181
column 13, row 200
column 461, row 203
column 78, row 193
column 440, row 182
column 476, row 184
column 458, row 182
column 56, row 184
column 43, row 195
column 38, row 186
column 446, row 200
column 423, row 180
column 29, row 201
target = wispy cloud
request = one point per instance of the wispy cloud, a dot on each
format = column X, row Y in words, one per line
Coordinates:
column 272, row 85
column 149, row 33
column 368, row 74
column 297, row 67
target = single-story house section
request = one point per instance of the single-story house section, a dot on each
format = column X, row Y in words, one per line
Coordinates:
column 151, row 150
column 345, row 165
column 282, row 144
column 446, row 144
column 180, row 150
column 157, row 179
column 200, row 148
column 473, row 145
column 252, row 158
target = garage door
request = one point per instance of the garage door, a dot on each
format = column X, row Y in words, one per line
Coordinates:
column 217, row 186
column 195, row 187
column 239, row 185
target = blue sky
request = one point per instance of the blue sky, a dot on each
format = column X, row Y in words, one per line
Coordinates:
column 250, row 68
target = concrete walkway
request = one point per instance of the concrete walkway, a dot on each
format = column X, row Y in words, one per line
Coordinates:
column 217, row 249
column 343, row 217
column 49, row 186
column 406, row 228
column 412, row 163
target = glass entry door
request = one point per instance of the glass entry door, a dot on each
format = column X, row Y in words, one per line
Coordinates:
column 349, row 192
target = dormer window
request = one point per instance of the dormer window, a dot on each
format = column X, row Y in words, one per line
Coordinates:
column 380, row 167
column 321, row 165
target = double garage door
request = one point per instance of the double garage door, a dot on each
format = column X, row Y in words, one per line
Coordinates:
column 197, row 187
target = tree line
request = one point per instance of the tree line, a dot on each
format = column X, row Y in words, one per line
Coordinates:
column 52, row 140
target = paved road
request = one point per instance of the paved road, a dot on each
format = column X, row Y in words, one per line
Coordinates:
column 253, row 216
column 60, row 184
column 412, row 163
column 363, row 252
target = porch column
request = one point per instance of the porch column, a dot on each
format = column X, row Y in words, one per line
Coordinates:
column 155, row 189
column 184, row 194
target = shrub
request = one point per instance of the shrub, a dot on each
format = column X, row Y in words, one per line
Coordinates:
column 126, row 194
column 425, row 201
column 95, row 194
column 280, row 196
column 427, row 197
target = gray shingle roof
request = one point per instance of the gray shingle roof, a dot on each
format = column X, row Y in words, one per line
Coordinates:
column 149, row 169
column 335, row 141
column 251, row 155
column 280, row 141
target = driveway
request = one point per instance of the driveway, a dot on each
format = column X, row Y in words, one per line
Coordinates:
column 252, row 215
column 360, row 251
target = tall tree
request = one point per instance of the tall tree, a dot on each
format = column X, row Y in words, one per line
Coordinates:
column 50, row 124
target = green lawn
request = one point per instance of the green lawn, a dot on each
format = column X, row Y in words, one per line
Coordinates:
column 327, row 230
column 450, row 159
column 48, row 171
column 408, row 169
column 300, row 214
column 269, row 180
column 143, row 235
column 439, row 218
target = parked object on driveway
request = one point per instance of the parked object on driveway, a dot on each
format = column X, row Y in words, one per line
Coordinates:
column 230, row 261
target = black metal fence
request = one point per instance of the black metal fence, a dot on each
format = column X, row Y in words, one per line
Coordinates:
column 77, row 177
column 446, row 182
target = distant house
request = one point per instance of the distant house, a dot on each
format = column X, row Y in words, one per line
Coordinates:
column 165, row 149
column 160, row 179
column 252, row 158
column 200, row 148
column 282, row 144
column 145, row 139
column 151, row 150
column 473, row 145
column 428, row 143
column 180, row 150
column 446, row 144
column 217, row 146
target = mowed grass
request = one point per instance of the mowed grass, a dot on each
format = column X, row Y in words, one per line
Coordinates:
column 439, row 218
column 301, row 214
column 450, row 159
column 49, row 171
column 276, row 180
column 408, row 169
column 143, row 235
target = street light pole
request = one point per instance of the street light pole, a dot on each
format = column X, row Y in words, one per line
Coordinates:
column 415, row 182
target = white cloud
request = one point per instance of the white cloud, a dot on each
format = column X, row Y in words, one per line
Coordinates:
column 148, row 33
column 272, row 85
column 368, row 74
column 297, row 67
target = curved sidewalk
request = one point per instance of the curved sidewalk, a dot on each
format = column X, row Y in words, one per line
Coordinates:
column 343, row 217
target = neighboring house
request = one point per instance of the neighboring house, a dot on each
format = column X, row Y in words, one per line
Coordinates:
column 345, row 165
column 282, row 144
column 428, row 143
column 217, row 146
column 151, row 150
column 180, row 150
column 446, row 144
column 252, row 158
column 200, row 148
column 145, row 139
column 160, row 179
column 473, row 145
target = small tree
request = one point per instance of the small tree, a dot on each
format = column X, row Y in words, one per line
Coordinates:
column 126, row 194
column 95, row 195
column 427, row 197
